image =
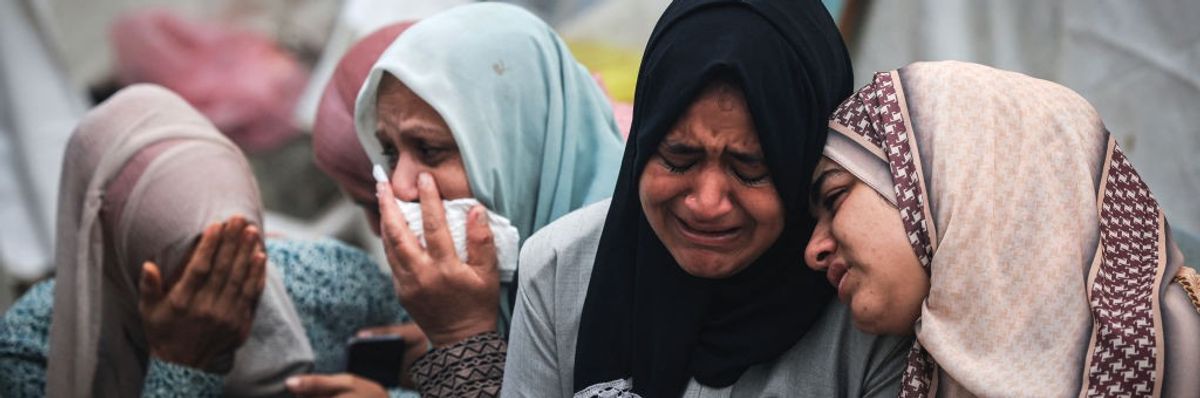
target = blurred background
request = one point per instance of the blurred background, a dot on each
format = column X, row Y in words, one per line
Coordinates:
column 257, row 69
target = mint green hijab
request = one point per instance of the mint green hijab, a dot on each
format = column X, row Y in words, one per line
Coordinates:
column 536, row 134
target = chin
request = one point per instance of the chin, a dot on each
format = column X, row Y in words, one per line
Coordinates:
column 880, row 325
column 708, row 265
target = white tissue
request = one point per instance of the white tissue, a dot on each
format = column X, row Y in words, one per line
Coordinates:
column 504, row 234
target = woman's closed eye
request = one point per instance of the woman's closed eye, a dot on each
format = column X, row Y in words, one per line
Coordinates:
column 830, row 200
column 750, row 169
column 829, row 190
column 674, row 167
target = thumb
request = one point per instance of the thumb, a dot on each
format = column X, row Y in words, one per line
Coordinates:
column 481, row 248
column 151, row 284
column 320, row 385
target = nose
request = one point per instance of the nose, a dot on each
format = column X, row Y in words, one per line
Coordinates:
column 821, row 246
column 709, row 198
column 404, row 178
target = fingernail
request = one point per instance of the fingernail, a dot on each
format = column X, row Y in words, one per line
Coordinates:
column 292, row 382
column 379, row 174
column 365, row 333
column 480, row 215
column 424, row 179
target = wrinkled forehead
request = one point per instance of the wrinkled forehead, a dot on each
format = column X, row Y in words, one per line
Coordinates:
column 718, row 114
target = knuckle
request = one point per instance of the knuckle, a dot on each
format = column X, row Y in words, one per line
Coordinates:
column 177, row 306
column 482, row 239
column 431, row 223
column 201, row 268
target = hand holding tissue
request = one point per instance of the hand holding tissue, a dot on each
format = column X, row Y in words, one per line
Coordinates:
column 504, row 234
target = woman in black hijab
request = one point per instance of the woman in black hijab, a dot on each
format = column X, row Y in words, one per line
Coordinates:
column 694, row 273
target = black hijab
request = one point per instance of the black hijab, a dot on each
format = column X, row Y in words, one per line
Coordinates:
column 646, row 318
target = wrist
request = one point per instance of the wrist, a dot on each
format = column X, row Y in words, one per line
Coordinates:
column 448, row 338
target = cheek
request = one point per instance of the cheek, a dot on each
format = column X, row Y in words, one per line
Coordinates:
column 452, row 179
column 656, row 189
column 763, row 207
column 890, row 283
column 889, row 302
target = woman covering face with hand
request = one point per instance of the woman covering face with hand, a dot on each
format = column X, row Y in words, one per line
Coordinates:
column 144, row 286
column 151, row 300
column 992, row 215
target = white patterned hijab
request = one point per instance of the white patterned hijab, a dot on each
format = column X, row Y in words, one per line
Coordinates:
column 143, row 174
column 1045, row 251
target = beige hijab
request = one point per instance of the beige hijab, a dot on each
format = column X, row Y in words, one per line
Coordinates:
column 1050, row 262
column 143, row 174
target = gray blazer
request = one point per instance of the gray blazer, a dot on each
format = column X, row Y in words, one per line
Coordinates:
column 832, row 360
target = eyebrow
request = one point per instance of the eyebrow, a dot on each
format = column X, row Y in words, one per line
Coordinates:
column 677, row 148
column 427, row 133
column 421, row 131
column 814, row 192
column 744, row 157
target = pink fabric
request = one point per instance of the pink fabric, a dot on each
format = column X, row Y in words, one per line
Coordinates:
column 622, row 111
column 335, row 142
column 240, row 80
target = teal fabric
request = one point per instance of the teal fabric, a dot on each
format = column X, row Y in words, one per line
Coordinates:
column 536, row 133
column 337, row 290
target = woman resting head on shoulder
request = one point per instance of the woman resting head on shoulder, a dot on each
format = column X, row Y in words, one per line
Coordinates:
column 690, row 282
column 993, row 215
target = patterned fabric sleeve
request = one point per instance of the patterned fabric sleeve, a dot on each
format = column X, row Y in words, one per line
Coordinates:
column 24, row 347
column 471, row 368
column 24, row 344
column 165, row 379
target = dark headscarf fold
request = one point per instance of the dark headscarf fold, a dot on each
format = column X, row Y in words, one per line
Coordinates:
column 644, row 317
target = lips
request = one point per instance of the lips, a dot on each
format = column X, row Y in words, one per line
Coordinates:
column 837, row 277
column 705, row 235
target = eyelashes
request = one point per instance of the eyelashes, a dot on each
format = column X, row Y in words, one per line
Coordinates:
column 744, row 179
column 673, row 168
column 429, row 155
column 830, row 201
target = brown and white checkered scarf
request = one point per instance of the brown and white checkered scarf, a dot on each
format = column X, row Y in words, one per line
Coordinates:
column 1045, row 250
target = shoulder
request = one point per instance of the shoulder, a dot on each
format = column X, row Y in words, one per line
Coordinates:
column 324, row 264
column 834, row 359
column 567, row 244
column 27, row 323
column 292, row 251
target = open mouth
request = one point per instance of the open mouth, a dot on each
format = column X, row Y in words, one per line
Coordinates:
column 707, row 235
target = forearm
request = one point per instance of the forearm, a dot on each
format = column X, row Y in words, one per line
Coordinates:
column 471, row 368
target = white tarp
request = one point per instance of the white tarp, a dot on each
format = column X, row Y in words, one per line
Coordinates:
column 38, row 110
column 1137, row 62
